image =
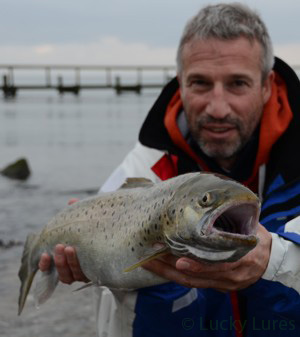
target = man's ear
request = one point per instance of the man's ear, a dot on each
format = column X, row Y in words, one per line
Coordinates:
column 267, row 86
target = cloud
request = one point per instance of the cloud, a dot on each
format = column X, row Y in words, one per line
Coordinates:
column 44, row 49
column 111, row 50
column 107, row 50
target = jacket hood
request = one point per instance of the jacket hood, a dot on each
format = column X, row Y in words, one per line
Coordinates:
column 154, row 133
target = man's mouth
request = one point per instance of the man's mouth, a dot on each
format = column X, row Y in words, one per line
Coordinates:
column 217, row 131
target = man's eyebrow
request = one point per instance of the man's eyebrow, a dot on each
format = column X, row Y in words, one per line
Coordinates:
column 241, row 76
column 204, row 77
column 197, row 76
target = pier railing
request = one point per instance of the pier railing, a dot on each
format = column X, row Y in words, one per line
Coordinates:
column 70, row 78
column 74, row 78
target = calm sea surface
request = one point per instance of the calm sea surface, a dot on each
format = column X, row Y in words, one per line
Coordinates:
column 72, row 145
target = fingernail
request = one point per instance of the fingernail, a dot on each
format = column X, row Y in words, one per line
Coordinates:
column 59, row 249
column 182, row 264
column 69, row 252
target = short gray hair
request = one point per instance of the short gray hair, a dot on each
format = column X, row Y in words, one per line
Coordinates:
column 228, row 22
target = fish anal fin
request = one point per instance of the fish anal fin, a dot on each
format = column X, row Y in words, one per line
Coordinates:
column 87, row 285
column 45, row 286
column 137, row 182
column 156, row 254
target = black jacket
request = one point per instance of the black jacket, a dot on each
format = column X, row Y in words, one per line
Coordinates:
column 284, row 159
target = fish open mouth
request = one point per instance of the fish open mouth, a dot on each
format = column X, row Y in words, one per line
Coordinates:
column 241, row 219
column 225, row 235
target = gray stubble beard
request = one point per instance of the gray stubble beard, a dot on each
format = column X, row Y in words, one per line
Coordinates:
column 220, row 149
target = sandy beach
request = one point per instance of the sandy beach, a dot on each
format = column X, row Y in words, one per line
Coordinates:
column 66, row 314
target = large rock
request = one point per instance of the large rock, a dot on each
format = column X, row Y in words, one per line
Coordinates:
column 18, row 170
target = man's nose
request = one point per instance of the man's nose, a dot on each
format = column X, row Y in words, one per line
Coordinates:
column 218, row 106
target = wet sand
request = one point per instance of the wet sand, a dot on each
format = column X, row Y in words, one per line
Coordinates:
column 65, row 314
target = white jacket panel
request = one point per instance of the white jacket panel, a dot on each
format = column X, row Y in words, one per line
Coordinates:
column 284, row 263
column 136, row 164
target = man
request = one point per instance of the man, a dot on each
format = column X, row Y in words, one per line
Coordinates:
column 228, row 111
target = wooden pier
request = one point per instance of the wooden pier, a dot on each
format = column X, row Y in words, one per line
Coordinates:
column 106, row 77
column 53, row 77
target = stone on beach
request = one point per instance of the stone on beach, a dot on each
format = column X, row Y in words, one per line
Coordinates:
column 18, row 170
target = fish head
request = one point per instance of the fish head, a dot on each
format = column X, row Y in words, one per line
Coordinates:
column 212, row 218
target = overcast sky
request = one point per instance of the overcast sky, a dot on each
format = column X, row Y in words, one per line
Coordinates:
column 121, row 31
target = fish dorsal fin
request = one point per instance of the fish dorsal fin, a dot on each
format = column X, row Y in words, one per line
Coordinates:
column 137, row 182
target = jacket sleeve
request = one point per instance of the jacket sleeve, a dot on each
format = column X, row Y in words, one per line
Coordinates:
column 116, row 311
column 137, row 163
column 284, row 265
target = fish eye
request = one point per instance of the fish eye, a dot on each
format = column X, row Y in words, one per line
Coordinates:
column 206, row 199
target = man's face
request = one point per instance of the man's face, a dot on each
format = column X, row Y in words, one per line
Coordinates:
column 222, row 93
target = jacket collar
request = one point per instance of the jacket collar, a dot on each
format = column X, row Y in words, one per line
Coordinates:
column 155, row 135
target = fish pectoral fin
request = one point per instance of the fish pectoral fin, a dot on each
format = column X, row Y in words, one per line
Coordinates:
column 137, row 182
column 156, row 254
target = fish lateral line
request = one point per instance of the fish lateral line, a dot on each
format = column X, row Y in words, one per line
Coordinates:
column 72, row 223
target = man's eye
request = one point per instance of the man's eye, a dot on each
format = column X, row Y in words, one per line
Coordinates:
column 200, row 83
column 239, row 83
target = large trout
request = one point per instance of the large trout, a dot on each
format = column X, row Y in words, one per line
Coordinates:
column 199, row 215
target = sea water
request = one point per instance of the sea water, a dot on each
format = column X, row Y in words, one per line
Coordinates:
column 72, row 144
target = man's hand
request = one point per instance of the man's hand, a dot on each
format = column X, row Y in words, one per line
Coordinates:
column 66, row 263
column 222, row 276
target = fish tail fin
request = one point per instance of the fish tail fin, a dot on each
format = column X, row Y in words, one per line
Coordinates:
column 26, row 272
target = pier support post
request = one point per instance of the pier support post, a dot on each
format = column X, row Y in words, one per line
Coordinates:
column 9, row 90
column 74, row 89
column 118, row 85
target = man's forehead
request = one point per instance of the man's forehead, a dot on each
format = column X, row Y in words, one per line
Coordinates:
column 220, row 44
column 236, row 55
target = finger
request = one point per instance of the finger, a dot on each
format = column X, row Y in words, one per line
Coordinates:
column 72, row 201
column 237, row 279
column 45, row 262
column 229, row 273
column 170, row 273
column 169, row 259
column 61, row 263
column 186, row 264
column 74, row 265
column 159, row 267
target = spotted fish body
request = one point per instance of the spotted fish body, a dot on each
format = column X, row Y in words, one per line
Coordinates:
column 199, row 215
